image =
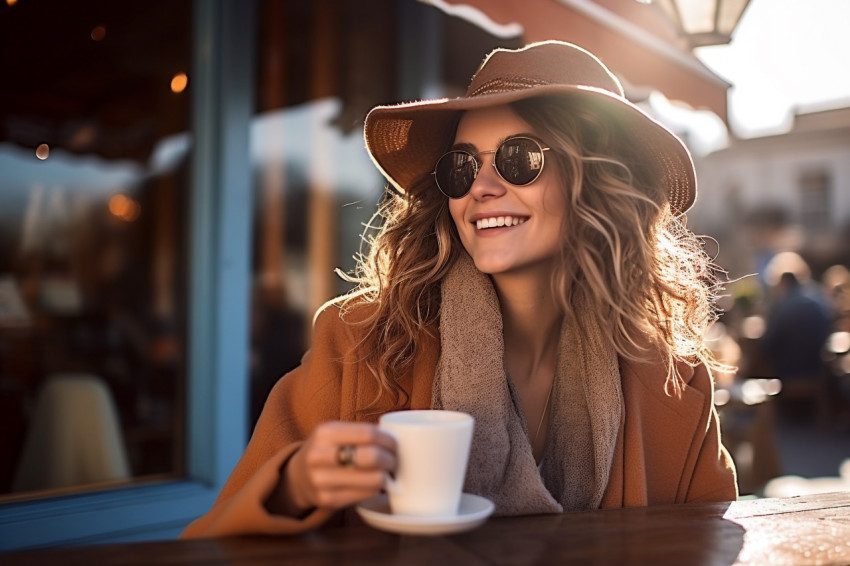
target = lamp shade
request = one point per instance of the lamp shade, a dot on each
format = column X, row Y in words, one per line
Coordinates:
column 705, row 22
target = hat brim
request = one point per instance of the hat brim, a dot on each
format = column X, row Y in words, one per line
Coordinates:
column 405, row 140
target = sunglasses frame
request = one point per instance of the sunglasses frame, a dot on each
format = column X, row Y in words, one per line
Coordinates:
column 477, row 164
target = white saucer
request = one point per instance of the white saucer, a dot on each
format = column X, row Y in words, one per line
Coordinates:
column 473, row 511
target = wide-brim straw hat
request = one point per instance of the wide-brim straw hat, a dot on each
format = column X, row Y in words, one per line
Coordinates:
column 405, row 140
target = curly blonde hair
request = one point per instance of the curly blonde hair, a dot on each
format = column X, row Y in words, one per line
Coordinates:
column 651, row 284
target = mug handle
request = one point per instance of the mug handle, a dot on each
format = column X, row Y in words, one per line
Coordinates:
column 390, row 485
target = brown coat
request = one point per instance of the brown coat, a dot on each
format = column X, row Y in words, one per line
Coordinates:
column 668, row 448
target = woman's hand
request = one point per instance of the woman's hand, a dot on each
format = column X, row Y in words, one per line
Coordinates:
column 339, row 465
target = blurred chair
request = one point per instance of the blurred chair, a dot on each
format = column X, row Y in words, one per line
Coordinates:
column 748, row 427
column 74, row 436
column 795, row 486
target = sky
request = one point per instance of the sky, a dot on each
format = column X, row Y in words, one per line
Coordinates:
column 785, row 55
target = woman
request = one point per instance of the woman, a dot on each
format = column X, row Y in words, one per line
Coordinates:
column 532, row 269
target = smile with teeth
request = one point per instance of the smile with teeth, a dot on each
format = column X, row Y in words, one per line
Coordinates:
column 497, row 221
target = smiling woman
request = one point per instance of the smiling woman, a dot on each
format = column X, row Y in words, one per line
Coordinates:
column 518, row 187
column 532, row 269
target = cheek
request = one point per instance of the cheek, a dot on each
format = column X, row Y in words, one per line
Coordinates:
column 553, row 197
column 553, row 200
column 555, row 203
column 456, row 208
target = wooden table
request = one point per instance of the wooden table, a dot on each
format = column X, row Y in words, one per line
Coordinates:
column 800, row 531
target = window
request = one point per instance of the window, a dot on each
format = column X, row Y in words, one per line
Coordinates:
column 207, row 204
column 94, row 196
column 815, row 189
column 315, row 187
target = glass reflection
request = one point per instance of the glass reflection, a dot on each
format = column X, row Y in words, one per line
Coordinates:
column 92, row 246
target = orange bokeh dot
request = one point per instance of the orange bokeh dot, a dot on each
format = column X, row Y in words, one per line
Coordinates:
column 179, row 82
column 124, row 207
column 98, row 33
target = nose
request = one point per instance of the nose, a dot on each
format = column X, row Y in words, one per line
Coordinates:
column 488, row 183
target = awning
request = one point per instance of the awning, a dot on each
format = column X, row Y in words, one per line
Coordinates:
column 631, row 38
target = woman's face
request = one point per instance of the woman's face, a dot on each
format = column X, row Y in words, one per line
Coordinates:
column 534, row 242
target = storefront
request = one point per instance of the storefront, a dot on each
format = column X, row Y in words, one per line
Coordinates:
column 178, row 182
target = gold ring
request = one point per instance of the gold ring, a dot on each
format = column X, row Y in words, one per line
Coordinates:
column 345, row 455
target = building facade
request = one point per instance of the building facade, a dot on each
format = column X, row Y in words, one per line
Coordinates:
column 788, row 192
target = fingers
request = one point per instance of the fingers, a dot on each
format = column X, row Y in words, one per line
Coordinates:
column 374, row 449
column 363, row 457
column 372, row 457
column 340, row 433
column 320, row 478
column 340, row 498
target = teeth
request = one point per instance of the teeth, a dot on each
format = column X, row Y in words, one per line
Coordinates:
column 496, row 221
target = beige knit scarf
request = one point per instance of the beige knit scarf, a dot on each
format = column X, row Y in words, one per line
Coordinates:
column 584, row 416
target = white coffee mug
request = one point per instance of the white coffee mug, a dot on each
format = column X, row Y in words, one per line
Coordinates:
column 433, row 450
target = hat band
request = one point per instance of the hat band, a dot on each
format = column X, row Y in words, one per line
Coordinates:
column 506, row 84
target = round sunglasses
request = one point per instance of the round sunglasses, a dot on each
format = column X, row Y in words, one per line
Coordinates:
column 517, row 160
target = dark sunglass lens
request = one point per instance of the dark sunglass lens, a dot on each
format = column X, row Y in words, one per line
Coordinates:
column 519, row 160
column 455, row 173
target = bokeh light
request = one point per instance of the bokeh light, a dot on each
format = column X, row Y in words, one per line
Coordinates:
column 753, row 327
column 839, row 342
column 179, row 82
column 124, row 207
column 98, row 33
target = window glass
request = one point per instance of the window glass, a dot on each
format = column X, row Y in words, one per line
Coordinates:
column 94, row 110
column 815, row 192
column 321, row 68
column 322, row 65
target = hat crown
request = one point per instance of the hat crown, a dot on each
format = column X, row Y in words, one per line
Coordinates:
column 541, row 64
column 406, row 140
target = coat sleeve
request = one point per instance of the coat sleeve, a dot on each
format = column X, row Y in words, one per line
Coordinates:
column 321, row 389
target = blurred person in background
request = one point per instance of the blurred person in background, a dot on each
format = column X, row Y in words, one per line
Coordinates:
column 798, row 325
column 836, row 286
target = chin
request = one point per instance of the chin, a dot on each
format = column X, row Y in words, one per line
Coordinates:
column 491, row 267
column 513, row 266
